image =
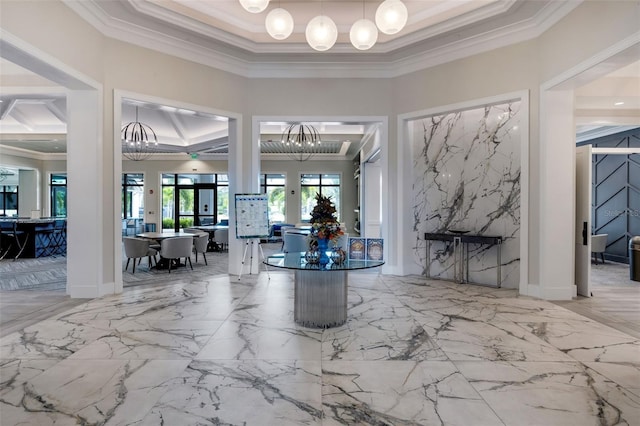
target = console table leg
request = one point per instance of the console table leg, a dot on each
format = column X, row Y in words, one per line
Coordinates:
column 428, row 268
column 499, row 283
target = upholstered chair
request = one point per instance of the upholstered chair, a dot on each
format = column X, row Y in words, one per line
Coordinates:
column 136, row 249
column 177, row 248
column 221, row 238
column 200, row 243
column 293, row 242
column 599, row 245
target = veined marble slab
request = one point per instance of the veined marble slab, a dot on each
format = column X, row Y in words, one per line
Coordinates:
column 466, row 176
column 243, row 392
column 401, row 393
column 413, row 352
column 550, row 393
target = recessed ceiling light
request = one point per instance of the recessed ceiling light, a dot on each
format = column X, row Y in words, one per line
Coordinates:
column 619, row 103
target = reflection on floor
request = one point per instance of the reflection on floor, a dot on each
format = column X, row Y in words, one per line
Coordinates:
column 413, row 352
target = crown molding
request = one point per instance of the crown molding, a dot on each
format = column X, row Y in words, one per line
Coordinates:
column 322, row 65
column 601, row 132
column 34, row 155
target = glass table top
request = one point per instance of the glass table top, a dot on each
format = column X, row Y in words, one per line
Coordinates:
column 297, row 261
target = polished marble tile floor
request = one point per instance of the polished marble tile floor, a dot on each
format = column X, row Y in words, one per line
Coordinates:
column 224, row 352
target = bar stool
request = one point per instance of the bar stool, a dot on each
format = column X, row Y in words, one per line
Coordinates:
column 9, row 230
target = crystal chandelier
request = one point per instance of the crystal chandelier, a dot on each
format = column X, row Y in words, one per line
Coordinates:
column 139, row 141
column 301, row 141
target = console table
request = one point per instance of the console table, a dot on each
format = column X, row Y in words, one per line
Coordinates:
column 461, row 252
column 320, row 293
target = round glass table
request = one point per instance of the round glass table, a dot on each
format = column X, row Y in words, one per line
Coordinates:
column 320, row 292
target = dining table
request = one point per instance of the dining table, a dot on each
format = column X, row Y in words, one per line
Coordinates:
column 211, row 230
column 159, row 236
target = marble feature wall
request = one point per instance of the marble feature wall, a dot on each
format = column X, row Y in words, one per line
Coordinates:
column 466, row 176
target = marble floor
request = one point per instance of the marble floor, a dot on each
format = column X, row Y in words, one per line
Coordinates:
column 413, row 352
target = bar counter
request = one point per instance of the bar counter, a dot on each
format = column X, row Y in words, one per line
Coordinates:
column 43, row 237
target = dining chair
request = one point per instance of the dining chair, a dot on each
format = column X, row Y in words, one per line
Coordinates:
column 176, row 248
column 294, row 242
column 599, row 245
column 221, row 238
column 136, row 249
column 200, row 243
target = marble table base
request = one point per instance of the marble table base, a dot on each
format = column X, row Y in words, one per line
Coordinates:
column 320, row 299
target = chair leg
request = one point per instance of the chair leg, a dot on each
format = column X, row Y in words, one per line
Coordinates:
column 602, row 254
column 205, row 259
column 21, row 246
column 127, row 265
column 134, row 266
column 170, row 262
column 4, row 254
column 185, row 262
column 197, row 257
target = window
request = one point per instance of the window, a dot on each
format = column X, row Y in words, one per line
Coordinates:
column 132, row 196
column 327, row 185
column 194, row 199
column 58, row 188
column 274, row 186
column 9, row 200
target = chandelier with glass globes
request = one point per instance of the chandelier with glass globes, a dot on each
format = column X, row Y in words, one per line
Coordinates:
column 321, row 32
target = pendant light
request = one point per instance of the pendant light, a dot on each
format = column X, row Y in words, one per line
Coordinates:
column 254, row 6
column 279, row 23
column 391, row 16
column 364, row 33
column 321, row 32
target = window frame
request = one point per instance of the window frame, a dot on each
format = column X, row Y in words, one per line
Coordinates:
column 320, row 186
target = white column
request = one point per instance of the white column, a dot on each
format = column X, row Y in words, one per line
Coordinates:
column 244, row 157
column 85, row 239
column 557, row 196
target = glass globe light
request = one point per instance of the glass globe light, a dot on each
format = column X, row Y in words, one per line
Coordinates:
column 279, row 24
column 321, row 33
column 363, row 34
column 254, row 6
column 391, row 16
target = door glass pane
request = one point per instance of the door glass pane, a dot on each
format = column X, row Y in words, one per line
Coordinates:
column 223, row 203
column 186, row 207
column 205, row 207
column 168, row 219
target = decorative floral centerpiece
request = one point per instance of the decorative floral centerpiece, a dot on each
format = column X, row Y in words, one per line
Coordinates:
column 324, row 226
column 323, row 221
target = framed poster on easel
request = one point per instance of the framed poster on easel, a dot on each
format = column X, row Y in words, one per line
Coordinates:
column 252, row 216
